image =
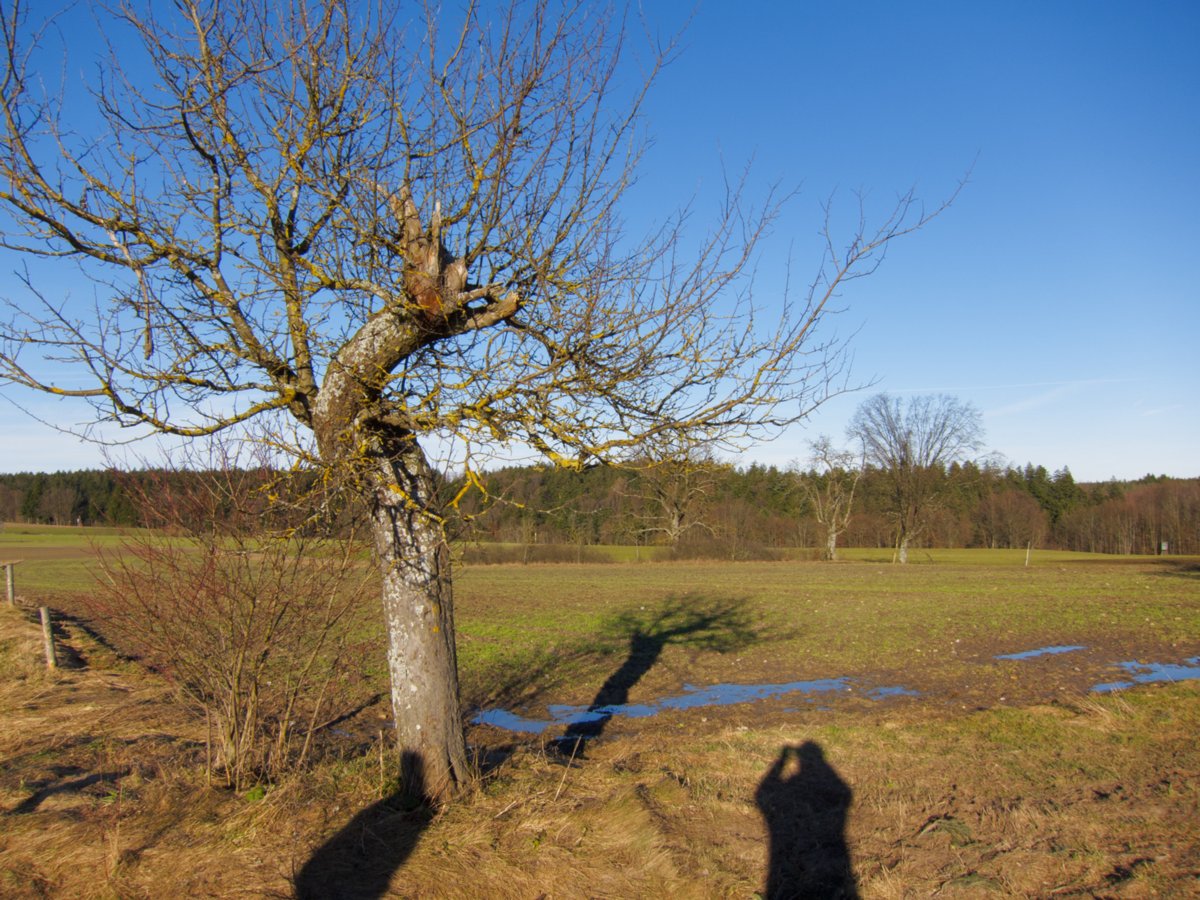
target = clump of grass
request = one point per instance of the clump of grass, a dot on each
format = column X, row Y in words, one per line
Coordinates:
column 22, row 655
column 21, row 877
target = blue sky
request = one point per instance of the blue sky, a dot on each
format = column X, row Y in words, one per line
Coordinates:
column 1061, row 292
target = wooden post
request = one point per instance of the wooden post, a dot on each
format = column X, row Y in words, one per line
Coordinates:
column 1028, row 550
column 48, row 639
column 10, row 578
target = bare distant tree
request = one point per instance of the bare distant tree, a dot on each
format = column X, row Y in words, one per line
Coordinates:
column 673, row 487
column 57, row 505
column 386, row 224
column 829, row 489
column 1011, row 518
column 913, row 443
column 10, row 504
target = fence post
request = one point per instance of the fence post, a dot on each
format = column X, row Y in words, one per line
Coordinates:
column 10, row 578
column 48, row 639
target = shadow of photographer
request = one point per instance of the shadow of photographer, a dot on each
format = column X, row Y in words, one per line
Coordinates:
column 805, row 803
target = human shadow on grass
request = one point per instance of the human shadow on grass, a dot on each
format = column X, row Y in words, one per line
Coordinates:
column 805, row 803
column 359, row 861
column 695, row 623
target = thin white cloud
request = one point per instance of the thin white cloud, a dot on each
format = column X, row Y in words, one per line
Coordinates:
column 1161, row 410
column 1051, row 392
column 961, row 389
column 1044, row 398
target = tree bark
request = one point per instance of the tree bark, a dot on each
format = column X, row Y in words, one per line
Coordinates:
column 418, row 606
column 831, row 537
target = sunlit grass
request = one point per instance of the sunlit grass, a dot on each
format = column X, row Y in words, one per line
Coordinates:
column 825, row 618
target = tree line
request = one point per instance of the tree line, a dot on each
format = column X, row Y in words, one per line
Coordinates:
column 743, row 512
column 721, row 509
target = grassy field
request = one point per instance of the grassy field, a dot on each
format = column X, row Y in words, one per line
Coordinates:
column 986, row 777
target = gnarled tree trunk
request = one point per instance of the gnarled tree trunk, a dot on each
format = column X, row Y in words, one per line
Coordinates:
column 418, row 607
column 385, row 464
column 831, row 537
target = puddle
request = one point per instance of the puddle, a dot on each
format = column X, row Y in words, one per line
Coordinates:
column 727, row 694
column 502, row 718
column 1149, row 673
column 1042, row 651
column 692, row 698
column 1139, row 673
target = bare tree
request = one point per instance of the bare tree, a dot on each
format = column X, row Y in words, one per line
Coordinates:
column 58, row 504
column 1011, row 518
column 387, row 231
column 673, row 487
column 913, row 443
column 10, row 504
column 829, row 489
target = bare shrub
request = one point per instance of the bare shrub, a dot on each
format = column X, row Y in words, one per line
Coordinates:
column 723, row 548
column 251, row 623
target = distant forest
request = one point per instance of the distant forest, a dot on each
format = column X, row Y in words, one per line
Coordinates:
column 712, row 509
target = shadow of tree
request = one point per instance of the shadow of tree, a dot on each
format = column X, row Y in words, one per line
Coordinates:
column 1177, row 568
column 696, row 623
column 517, row 678
column 359, row 861
column 44, row 790
column 805, row 803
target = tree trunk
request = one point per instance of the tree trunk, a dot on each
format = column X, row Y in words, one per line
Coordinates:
column 418, row 607
column 831, row 544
